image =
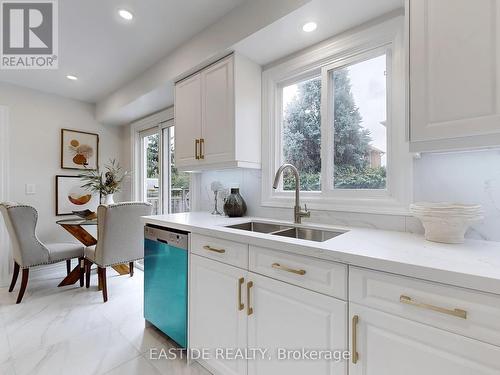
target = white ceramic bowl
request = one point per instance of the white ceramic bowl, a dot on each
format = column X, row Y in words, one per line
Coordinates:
column 446, row 222
column 446, row 230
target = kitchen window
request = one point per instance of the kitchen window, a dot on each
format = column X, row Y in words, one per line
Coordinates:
column 301, row 132
column 338, row 114
column 357, row 116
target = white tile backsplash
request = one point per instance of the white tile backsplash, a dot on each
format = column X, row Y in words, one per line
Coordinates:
column 465, row 177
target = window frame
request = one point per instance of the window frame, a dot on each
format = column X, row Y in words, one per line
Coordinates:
column 350, row 48
column 327, row 130
column 155, row 123
column 143, row 134
column 166, row 176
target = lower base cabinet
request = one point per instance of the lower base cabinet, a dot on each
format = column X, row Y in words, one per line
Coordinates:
column 287, row 319
column 234, row 309
column 215, row 319
column 231, row 308
column 391, row 345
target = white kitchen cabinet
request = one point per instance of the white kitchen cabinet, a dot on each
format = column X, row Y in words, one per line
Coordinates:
column 289, row 317
column 391, row 345
column 188, row 116
column 454, row 51
column 217, row 116
column 215, row 317
column 217, row 126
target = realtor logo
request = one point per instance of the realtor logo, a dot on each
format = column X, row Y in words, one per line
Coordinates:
column 29, row 37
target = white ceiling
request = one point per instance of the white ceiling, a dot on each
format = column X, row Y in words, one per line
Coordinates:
column 105, row 52
column 286, row 36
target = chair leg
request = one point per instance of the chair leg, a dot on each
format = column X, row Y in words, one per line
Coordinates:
column 14, row 277
column 24, row 283
column 102, row 272
column 81, row 263
column 68, row 266
column 88, row 265
column 131, row 268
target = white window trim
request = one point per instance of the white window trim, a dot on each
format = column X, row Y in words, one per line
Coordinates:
column 338, row 51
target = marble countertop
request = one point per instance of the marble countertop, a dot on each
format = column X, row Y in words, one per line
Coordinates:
column 474, row 264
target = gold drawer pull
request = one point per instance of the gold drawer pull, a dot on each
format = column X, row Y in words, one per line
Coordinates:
column 241, row 306
column 459, row 313
column 249, row 308
column 354, row 354
column 214, row 249
column 287, row 269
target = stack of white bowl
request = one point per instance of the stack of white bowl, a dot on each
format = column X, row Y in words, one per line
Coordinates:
column 446, row 222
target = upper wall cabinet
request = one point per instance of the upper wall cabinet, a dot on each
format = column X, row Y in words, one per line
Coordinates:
column 454, row 74
column 217, row 116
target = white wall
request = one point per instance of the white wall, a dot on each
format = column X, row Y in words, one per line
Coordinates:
column 466, row 177
column 35, row 122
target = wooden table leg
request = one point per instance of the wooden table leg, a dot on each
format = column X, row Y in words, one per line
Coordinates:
column 122, row 269
column 80, row 234
column 72, row 278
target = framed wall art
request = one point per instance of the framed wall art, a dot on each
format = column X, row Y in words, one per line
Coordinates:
column 79, row 150
column 70, row 196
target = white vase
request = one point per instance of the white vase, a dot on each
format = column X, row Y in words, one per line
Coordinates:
column 108, row 199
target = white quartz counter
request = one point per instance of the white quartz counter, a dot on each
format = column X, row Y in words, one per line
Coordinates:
column 474, row 264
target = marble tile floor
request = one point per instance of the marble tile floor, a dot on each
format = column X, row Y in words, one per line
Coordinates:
column 71, row 331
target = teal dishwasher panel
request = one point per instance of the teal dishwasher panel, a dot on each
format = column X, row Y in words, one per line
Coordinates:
column 165, row 285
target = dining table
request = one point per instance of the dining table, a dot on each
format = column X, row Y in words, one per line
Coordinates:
column 77, row 228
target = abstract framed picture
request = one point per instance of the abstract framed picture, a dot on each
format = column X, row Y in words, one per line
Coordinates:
column 79, row 150
column 70, row 196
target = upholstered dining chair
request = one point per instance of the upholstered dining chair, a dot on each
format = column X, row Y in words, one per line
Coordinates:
column 28, row 251
column 120, row 239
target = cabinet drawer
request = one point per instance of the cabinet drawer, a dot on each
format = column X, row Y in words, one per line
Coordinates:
column 467, row 312
column 319, row 275
column 229, row 252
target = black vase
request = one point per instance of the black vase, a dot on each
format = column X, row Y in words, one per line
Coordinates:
column 234, row 205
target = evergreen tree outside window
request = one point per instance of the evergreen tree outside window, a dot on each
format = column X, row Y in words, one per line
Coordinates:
column 358, row 123
column 301, row 132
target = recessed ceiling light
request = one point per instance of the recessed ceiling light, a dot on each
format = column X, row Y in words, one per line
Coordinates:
column 309, row 26
column 125, row 14
column 73, row 78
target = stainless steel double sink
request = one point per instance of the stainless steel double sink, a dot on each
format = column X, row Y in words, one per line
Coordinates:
column 284, row 230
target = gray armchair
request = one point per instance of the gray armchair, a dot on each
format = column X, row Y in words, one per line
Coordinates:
column 120, row 239
column 28, row 251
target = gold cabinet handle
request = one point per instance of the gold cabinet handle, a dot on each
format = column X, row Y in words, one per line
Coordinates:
column 459, row 313
column 354, row 354
column 241, row 306
column 249, row 308
column 214, row 249
column 196, row 144
column 202, row 148
column 287, row 269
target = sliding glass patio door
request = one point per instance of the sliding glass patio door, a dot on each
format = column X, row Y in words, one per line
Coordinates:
column 162, row 185
column 176, row 195
column 150, row 168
